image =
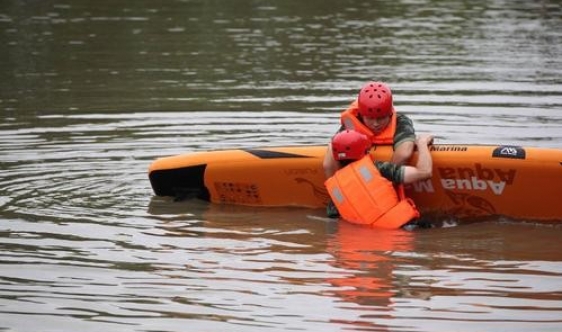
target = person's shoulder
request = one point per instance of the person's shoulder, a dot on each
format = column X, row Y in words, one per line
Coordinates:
column 405, row 131
column 402, row 117
column 403, row 121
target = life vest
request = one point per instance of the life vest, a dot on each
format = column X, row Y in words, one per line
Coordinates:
column 363, row 196
column 349, row 119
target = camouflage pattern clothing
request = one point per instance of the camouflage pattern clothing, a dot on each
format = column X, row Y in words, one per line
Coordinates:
column 392, row 172
column 404, row 130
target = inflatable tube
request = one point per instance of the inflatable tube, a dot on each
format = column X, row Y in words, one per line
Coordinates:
column 468, row 180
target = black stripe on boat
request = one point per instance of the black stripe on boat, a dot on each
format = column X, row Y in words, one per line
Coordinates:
column 267, row 154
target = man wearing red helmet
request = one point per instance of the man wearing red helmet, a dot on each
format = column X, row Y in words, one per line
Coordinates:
column 373, row 115
column 371, row 192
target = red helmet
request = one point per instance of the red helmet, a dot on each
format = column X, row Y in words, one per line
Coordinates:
column 350, row 145
column 375, row 100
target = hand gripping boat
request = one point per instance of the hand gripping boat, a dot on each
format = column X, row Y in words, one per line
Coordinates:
column 469, row 181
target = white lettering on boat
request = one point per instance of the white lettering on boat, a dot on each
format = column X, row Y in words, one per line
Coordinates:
column 508, row 150
column 422, row 186
column 473, row 184
column 476, row 178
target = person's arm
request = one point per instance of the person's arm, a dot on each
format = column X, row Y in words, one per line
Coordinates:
column 403, row 153
column 424, row 166
column 329, row 164
column 404, row 140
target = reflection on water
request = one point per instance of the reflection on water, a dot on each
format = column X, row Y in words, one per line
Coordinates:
column 92, row 93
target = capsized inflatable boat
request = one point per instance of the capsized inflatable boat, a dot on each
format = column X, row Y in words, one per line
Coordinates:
column 469, row 181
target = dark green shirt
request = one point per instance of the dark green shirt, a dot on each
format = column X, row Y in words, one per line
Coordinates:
column 390, row 171
column 405, row 131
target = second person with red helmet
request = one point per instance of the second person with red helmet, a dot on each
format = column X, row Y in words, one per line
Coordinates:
column 371, row 192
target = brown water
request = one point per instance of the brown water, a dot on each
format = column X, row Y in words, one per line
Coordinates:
column 91, row 92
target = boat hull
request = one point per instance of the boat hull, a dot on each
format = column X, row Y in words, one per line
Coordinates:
column 469, row 181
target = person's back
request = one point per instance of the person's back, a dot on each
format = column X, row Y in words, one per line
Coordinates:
column 364, row 190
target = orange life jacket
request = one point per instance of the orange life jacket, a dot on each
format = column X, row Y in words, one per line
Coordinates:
column 349, row 119
column 363, row 196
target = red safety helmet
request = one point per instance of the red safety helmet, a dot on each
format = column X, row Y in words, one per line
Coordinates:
column 350, row 145
column 375, row 100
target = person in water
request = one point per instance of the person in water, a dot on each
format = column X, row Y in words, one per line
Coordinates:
column 373, row 115
column 371, row 192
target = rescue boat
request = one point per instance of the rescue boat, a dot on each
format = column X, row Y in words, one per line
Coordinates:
column 469, row 181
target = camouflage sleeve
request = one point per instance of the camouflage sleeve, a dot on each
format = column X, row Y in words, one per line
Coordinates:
column 390, row 171
column 405, row 131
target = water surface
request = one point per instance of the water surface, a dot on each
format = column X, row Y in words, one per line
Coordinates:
column 91, row 93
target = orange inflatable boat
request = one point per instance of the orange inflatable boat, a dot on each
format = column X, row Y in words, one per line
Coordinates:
column 469, row 181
